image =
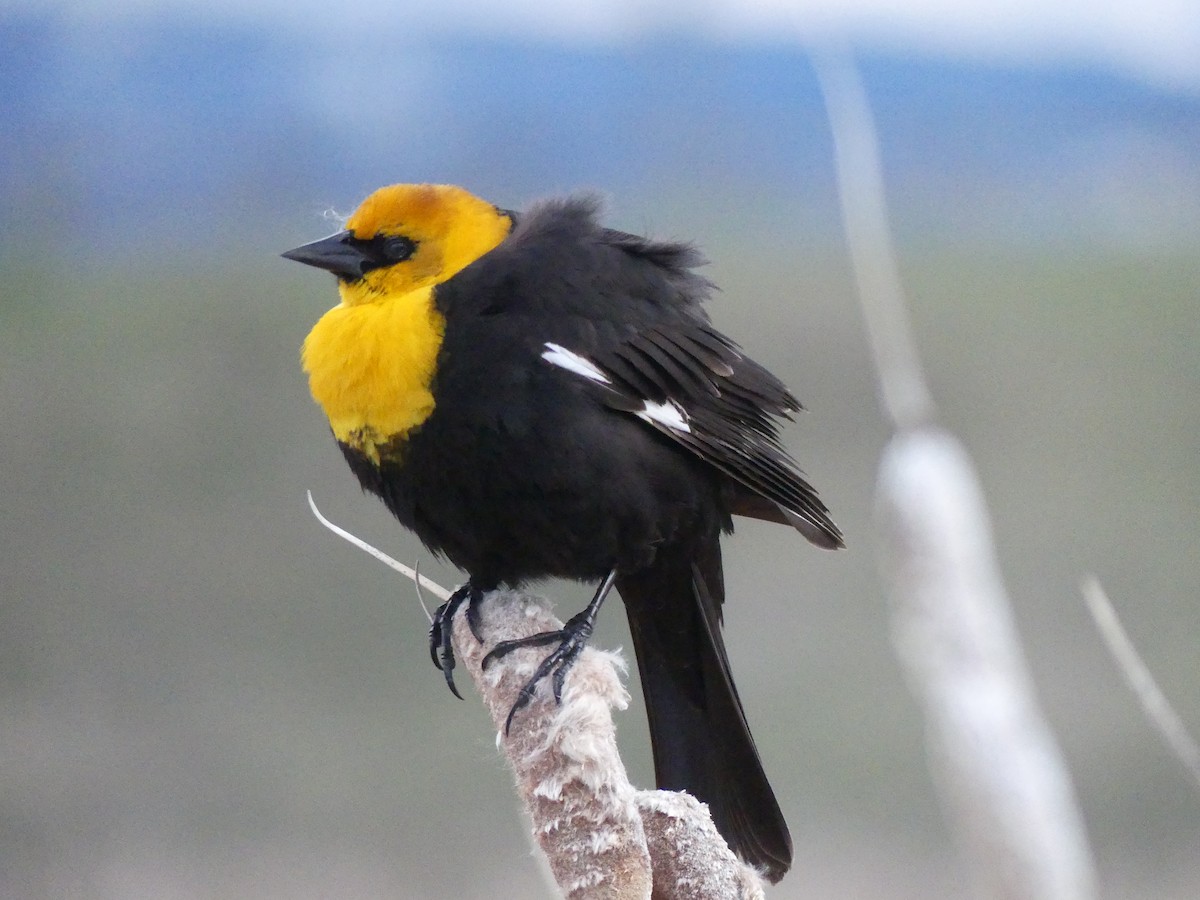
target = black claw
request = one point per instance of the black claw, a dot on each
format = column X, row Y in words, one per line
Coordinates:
column 523, row 698
column 503, row 648
column 435, row 636
column 475, row 619
column 572, row 638
column 441, row 647
column 448, row 671
column 560, row 677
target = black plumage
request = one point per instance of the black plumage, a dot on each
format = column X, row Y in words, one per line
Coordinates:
column 588, row 419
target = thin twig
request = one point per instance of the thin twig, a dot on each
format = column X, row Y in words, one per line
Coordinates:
column 1158, row 709
column 420, row 596
column 432, row 586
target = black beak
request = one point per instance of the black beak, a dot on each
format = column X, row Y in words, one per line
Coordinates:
column 339, row 253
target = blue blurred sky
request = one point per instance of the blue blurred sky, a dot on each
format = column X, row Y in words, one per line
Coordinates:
column 139, row 122
column 1158, row 40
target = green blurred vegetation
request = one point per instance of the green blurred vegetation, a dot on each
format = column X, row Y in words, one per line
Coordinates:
column 205, row 694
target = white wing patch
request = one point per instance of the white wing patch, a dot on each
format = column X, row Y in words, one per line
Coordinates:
column 668, row 414
column 560, row 356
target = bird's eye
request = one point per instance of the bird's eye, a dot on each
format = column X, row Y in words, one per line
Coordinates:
column 397, row 248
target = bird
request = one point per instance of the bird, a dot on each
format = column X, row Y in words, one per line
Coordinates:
column 536, row 395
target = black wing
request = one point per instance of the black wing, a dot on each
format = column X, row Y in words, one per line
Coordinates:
column 695, row 386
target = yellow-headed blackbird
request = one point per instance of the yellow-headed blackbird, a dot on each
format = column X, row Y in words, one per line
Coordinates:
column 536, row 395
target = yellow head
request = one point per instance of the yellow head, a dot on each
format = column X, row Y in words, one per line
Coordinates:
column 371, row 359
column 405, row 237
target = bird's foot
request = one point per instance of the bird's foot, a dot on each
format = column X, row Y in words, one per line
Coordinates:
column 441, row 630
column 571, row 638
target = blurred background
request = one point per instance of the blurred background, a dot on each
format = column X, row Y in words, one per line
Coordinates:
column 204, row 694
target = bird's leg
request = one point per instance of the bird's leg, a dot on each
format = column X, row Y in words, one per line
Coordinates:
column 441, row 630
column 572, row 638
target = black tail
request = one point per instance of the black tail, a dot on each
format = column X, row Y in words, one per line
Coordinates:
column 698, row 730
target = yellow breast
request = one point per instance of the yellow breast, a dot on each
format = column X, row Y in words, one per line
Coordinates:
column 370, row 367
